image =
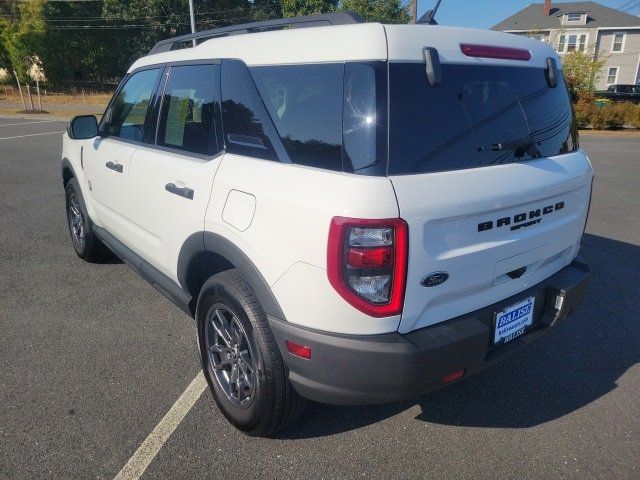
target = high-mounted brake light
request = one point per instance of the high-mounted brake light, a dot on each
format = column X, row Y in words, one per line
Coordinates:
column 487, row 51
column 367, row 263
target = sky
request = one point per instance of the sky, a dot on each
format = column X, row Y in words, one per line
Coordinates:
column 486, row 13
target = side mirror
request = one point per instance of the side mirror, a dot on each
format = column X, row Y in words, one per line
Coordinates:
column 82, row 127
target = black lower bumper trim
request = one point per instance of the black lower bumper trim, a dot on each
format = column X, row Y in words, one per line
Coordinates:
column 366, row 369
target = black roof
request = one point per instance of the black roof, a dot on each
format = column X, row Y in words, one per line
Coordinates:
column 598, row 16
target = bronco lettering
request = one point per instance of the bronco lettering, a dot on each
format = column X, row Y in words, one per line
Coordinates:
column 520, row 219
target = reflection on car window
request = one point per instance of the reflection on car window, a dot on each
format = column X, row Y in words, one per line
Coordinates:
column 189, row 106
column 305, row 104
column 129, row 110
column 247, row 130
column 454, row 125
column 364, row 127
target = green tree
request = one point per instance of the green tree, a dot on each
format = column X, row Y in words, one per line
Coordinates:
column 295, row 8
column 581, row 73
column 24, row 40
column 383, row 11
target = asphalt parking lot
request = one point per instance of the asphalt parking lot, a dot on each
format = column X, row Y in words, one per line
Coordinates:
column 92, row 358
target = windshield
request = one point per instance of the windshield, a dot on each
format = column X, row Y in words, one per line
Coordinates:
column 478, row 116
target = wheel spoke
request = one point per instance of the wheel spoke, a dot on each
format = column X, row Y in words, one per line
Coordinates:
column 234, row 380
column 236, row 332
column 220, row 326
column 247, row 374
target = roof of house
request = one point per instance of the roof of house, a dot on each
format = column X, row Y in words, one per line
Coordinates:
column 598, row 16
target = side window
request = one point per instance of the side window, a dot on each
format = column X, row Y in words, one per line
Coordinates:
column 129, row 110
column 190, row 106
column 305, row 104
column 365, row 118
column 247, row 127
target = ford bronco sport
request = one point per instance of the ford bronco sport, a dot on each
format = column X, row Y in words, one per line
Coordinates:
column 353, row 213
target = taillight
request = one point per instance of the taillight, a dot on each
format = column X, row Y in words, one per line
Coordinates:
column 487, row 51
column 367, row 263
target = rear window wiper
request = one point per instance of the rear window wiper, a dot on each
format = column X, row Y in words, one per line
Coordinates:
column 526, row 145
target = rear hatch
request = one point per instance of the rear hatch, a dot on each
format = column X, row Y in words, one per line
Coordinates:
column 488, row 175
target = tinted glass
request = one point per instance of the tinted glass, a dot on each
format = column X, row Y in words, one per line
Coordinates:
column 460, row 123
column 189, row 108
column 247, row 127
column 365, row 118
column 129, row 110
column 305, row 105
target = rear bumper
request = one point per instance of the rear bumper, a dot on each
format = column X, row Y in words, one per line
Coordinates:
column 354, row 370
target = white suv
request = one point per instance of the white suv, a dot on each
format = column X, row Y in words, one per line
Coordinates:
column 353, row 213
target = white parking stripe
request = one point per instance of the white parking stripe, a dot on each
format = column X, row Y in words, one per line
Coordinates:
column 30, row 135
column 147, row 451
column 28, row 123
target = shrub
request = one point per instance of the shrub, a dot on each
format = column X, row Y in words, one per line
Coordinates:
column 584, row 110
column 613, row 115
column 631, row 113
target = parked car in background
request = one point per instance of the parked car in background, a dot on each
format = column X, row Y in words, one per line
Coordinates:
column 620, row 93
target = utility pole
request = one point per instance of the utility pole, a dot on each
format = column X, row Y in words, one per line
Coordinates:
column 414, row 11
column 193, row 20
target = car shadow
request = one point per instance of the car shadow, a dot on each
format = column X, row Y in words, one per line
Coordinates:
column 571, row 367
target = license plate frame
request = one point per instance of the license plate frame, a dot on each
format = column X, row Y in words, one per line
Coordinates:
column 513, row 321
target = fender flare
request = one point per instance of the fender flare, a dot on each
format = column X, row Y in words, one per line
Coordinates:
column 212, row 242
column 66, row 165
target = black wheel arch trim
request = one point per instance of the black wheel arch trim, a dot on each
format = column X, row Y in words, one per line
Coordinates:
column 211, row 242
column 66, row 165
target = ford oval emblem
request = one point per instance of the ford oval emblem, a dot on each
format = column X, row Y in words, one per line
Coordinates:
column 434, row 279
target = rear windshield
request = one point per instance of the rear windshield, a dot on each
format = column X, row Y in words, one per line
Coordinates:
column 477, row 116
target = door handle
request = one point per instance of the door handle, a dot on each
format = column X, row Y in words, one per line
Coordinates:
column 114, row 166
column 182, row 191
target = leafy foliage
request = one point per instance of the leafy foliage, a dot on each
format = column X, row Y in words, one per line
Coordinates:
column 79, row 41
column 581, row 73
column 383, row 11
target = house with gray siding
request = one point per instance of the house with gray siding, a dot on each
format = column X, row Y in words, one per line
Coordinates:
column 605, row 33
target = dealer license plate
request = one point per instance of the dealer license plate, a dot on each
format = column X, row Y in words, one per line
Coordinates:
column 513, row 321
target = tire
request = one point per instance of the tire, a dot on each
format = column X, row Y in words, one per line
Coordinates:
column 87, row 246
column 260, row 401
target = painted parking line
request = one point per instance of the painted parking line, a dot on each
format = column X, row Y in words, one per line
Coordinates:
column 30, row 135
column 147, row 451
column 28, row 123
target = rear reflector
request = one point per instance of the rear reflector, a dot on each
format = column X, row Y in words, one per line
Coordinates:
column 298, row 350
column 453, row 376
column 487, row 51
column 370, row 257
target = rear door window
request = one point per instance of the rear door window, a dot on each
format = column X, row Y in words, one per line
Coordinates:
column 190, row 106
column 478, row 116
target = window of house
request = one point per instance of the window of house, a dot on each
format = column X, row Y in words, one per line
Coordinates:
column 189, row 108
column 618, row 42
column 129, row 111
column 562, row 43
column 572, row 43
column 612, row 75
column 574, row 18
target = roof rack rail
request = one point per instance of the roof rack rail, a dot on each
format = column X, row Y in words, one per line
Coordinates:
column 326, row 19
